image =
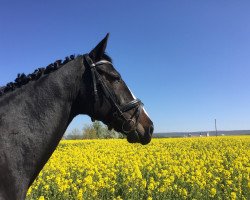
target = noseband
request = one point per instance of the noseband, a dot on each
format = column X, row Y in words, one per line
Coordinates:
column 118, row 110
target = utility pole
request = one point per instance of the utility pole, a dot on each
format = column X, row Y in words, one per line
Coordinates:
column 215, row 124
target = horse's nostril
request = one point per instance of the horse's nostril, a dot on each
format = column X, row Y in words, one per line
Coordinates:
column 151, row 129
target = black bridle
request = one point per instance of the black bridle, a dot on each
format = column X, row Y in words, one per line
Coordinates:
column 118, row 110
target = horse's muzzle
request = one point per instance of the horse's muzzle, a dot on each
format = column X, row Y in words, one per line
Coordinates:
column 141, row 135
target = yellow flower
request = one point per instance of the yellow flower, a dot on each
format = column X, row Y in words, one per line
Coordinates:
column 184, row 192
column 46, row 187
column 41, row 198
column 29, row 191
column 213, row 192
column 88, row 180
column 162, row 189
column 79, row 195
column 233, row 195
column 151, row 186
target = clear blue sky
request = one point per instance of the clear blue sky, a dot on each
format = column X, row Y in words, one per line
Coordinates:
column 189, row 61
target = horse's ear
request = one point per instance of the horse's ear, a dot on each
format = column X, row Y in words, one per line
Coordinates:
column 97, row 53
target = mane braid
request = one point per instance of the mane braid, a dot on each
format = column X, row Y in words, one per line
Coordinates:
column 23, row 79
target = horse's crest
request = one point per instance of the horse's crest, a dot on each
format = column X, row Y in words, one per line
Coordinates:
column 23, row 79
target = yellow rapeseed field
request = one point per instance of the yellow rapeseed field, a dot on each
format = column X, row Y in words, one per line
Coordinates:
column 184, row 168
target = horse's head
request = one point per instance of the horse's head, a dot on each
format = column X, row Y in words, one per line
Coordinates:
column 113, row 102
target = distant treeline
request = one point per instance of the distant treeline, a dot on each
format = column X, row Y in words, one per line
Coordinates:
column 201, row 133
column 92, row 131
column 99, row 130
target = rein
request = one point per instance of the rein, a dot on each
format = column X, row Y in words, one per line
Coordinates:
column 119, row 110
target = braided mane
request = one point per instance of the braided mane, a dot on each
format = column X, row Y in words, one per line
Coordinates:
column 23, row 79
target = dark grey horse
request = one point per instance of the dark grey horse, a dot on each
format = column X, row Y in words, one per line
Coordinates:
column 36, row 109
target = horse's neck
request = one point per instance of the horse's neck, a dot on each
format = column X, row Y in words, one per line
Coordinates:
column 36, row 115
column 52, row 104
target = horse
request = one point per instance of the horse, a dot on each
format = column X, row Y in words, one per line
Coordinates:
column 36, row 109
